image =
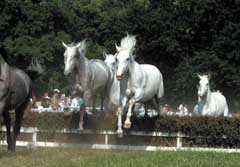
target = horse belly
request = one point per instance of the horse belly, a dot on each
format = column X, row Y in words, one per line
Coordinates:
column 19, row 89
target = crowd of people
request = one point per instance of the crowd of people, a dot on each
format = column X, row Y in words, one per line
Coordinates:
column 61, row 102
column 182, row 110
column 58, row 102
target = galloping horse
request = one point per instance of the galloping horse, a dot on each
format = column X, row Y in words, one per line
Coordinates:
column 116, row 99
column 118, row 92
column 214, row 103
column 145, row 81
column 91, row 76
column 15, row 93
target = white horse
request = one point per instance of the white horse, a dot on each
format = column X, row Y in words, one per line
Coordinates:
column 214, row 103
column 117, row 99
column 91, row 76
column 145, row 81
column 117, row 91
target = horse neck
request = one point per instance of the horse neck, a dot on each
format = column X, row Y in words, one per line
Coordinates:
column 134, row 69
column 82, row 70
column 208, row 98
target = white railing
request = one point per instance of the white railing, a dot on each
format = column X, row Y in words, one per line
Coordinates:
column 35, row 143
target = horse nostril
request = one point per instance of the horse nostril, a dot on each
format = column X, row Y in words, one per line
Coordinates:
column 120, row 77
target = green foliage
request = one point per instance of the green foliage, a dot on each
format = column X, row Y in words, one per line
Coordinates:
column 213, row 131
column 182, row 38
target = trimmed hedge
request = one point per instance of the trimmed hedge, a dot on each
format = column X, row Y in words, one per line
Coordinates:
column 209, row 130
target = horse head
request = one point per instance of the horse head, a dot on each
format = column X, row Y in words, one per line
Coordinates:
column 124, row 55
column 72, row 54
column 203, row 86
column 110, row 60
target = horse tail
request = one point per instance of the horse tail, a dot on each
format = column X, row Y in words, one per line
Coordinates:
column 161, row 87
column 225, row 113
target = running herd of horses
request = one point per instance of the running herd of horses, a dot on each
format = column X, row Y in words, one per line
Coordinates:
column 121, row 82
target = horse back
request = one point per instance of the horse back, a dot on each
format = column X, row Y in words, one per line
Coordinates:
column 218, row 102
column 153, row 79
column 100, row 73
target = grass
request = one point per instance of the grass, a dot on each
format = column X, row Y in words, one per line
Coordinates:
column 49, row 157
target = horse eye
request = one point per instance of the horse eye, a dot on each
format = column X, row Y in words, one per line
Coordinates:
column 127, row 59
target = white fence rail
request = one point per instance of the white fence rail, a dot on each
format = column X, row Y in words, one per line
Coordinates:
column 34, row 143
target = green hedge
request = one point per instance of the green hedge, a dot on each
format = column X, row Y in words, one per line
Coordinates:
column 209, row 130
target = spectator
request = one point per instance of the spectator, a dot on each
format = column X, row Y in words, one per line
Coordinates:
column 67, row 101
column 182, row 110
column 75, row 106
column 62, row 102
column 55, row 99
column 81, row 102
column 45, row 100
column 34, row 101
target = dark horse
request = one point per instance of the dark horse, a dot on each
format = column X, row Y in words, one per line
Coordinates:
column 15, row 93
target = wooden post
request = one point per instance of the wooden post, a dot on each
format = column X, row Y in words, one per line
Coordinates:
column 179, row 140
column 106, row 139
column 34, row 138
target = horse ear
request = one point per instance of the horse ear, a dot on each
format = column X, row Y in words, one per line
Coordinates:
column 117, row 47
column 82, row 47
column 199, row 76
column 65, row 45
column 104, row 54
column 79, row 44
column 209, row 76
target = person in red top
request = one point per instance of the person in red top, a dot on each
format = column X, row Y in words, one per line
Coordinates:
column 45, row 100
column 34, row 101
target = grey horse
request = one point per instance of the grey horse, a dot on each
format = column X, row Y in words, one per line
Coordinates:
column 15, row 94
column 91, row 76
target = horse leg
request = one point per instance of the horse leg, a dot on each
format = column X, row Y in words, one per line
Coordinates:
column 155, row 102
column 119, row 114
column 7, row 122
column 102, row 102
column 127, row 123
column 225, row 113
column 94, row 104
column 19, row 112
column 82, row 111
column 146, row 110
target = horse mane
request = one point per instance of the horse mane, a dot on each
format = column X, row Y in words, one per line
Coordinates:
column 72, row 44
column 128, row 42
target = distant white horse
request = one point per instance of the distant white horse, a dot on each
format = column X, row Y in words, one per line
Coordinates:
column 145, row 81
column 214, row 103
column 91, row 76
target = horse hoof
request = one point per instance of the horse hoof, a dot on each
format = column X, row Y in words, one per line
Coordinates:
column 120, row 135
column 119, row 131
column 127, row 126
column 80, row 129
column 11, row 153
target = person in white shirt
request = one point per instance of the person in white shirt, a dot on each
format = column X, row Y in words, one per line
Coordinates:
column 75, row 107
